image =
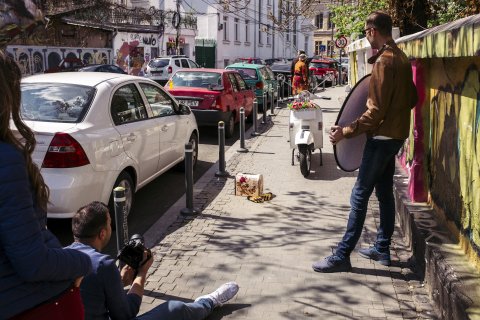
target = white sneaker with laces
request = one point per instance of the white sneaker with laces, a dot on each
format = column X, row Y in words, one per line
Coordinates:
column 223, row 294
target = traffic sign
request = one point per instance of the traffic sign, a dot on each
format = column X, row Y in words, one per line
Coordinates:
column 341, row 42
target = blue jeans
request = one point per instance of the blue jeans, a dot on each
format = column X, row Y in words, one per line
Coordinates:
column 177, row 310
column 376, row 171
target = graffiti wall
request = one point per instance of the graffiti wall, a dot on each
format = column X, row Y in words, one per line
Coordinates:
column 37, row 59
column 453, row 156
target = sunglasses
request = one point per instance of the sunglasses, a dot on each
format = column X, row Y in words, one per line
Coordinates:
column 366, row 30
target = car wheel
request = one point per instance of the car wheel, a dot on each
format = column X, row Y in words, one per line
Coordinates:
column 194, row 141
column 230, row 126
column 124, row 180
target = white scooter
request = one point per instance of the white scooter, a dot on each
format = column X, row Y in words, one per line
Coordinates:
column 306, row 133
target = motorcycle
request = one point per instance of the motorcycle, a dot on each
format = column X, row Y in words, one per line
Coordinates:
column 305, row 131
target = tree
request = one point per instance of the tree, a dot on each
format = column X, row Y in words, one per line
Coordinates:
column 349, row 19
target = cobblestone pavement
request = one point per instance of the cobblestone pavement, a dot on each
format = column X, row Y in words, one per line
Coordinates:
column 268, row 248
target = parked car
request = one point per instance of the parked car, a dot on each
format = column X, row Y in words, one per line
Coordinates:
column 103, row 68
column 66, row 64
column 161, row 69
column 250, row 60
column 324, row 69
column 257, row 76
column 213, row 95
column 96, row 131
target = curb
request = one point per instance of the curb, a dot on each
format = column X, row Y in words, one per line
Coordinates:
column 158, row 230
column 452, row 284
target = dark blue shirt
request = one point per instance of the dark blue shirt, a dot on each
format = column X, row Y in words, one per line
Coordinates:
column 33, row 266
column 102, row 291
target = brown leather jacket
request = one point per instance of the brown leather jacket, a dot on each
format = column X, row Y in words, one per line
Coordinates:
column 391, row 96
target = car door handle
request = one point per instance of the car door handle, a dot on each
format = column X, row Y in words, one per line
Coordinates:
column 131, row 137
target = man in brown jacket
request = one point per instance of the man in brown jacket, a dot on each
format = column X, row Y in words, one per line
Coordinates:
column 386, row 122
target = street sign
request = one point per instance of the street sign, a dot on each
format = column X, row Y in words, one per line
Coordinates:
column 341, row 42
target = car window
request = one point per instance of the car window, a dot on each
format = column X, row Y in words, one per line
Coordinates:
column 241, row 83
column 233, row 81
column 158, row 63
column 127, row 105
column 177, row 62
column 193, row 64
column 55, row 102
column 321, row 65
column 197, row 79
column 264, row 73
column 247, row 74
column 160, row 102
column 185, row 63
column 271, row 75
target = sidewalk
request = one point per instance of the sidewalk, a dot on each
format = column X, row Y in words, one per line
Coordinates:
column 268, row 248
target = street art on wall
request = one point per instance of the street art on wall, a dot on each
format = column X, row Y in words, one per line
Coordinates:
column 17, row 17
column 454, row 141
column 36, row 59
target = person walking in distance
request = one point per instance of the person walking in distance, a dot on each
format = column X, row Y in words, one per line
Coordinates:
column 300, row 75
column 391, row 96
column 103, row 291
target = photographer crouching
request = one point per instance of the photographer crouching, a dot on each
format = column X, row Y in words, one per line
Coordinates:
column 103, row 290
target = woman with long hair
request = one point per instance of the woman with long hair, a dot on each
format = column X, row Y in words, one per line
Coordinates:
column 38, row 278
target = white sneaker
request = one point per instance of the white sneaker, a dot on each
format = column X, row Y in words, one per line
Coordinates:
column 224, row 293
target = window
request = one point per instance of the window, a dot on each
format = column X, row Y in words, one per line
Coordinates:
column 127, row 105
column 177, row 62
column 225, row 28
column 330, row 24
column 226, row 62
column 305, row 48
column 247, row 31
column 241, row 82
column 319, row 47
column 233, row 81
column 193, row 64
column 319, row 20
column 55, row 102
column 260, row 33
column 159, row 101
column 235, row 26
column 185, row 63
column 268, row 34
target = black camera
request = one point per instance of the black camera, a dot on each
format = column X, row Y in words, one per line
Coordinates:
column 132, row 252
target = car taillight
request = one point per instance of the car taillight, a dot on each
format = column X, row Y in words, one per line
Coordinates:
column 169, row 69
column 259, row 85
column 64, row 152
column 216, row 104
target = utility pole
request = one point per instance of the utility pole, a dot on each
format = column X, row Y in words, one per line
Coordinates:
column 177, row 38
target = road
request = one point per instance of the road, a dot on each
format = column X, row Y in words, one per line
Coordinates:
column 159, row 195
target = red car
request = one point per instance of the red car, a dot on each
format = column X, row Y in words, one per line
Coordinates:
column 324, row 68
column 213, row 95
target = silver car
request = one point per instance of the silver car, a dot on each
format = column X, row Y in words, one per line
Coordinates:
column 162, row 68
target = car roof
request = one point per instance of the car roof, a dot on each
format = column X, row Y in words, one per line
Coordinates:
column 323, row 60
column 204, row 70
column 246, row 65
column 79, row 78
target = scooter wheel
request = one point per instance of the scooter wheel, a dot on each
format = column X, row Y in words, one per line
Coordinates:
column 305, row 159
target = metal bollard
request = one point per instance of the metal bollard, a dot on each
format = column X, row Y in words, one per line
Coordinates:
column 221, row 151
column 278, row 94
column 189, row 210
column 272, row 107
column 255, row 118
column 121, row 224
column 264, row 115
column 242, row 148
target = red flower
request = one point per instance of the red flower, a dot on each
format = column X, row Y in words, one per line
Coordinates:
column 243, row 179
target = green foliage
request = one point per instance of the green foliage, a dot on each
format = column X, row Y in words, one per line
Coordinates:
column 349, row 19
column 443, row 11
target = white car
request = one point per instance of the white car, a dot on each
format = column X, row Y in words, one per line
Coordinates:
column 96, row 131
column 162, row 68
